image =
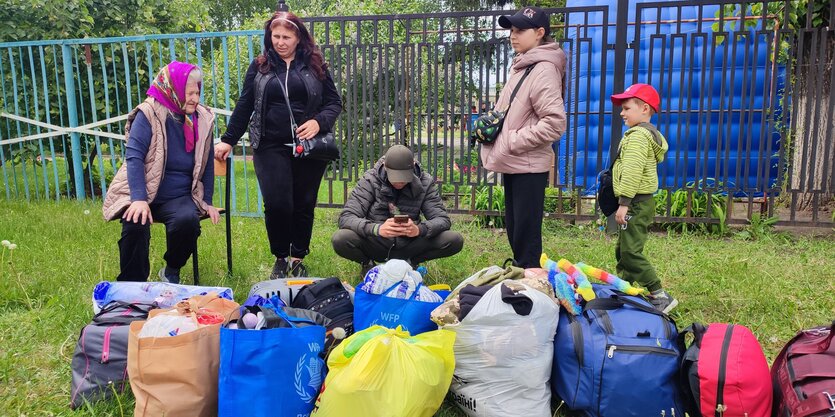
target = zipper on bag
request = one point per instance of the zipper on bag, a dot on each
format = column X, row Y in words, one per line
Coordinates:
column 723, row 362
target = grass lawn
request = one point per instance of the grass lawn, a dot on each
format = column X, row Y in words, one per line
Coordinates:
column 775, row 286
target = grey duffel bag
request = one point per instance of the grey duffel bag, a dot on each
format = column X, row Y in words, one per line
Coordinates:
column 99, row 364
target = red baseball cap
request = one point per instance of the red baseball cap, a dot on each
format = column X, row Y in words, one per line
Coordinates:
column 644, row 92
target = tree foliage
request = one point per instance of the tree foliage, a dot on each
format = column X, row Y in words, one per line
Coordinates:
column 22, row 20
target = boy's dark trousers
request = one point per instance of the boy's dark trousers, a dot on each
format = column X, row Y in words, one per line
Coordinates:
column 632, row 265
column 349, row 245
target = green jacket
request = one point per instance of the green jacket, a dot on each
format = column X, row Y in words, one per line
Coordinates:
column 635, row 171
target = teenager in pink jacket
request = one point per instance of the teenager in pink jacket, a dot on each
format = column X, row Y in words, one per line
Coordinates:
column 522, row 152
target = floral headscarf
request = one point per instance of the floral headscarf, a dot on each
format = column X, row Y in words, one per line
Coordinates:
column 169, row 88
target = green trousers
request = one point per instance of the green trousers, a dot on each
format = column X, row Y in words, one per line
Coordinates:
column 632, row 265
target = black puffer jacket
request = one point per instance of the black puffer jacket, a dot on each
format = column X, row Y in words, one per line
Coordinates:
column 368, row 205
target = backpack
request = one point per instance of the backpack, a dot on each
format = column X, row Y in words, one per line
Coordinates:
column 804, row 375
column 101, row 353
column 724, row 372
column 618, row 358
column 330, row 298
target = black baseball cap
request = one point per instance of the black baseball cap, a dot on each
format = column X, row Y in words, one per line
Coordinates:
column 527, row 18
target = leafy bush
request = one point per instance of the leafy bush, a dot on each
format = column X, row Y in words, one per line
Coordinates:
column 556, row 203
column 483, row 202
column 694, row 193
column 758, row 227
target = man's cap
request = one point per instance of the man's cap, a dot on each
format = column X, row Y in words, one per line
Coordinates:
column 400, row 164
column 644, row 92
column 527, row 18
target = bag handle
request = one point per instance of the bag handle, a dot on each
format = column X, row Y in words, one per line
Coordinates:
column 284, row 89
column 821, row 346
column 815, row 404
column 113, row 305
column 516, row 88
column 414, row 293
column 697, row 330
column 317, row 287
column 273, row 318
column 615, row 302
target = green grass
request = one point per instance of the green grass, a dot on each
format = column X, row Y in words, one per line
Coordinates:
column 774, row 285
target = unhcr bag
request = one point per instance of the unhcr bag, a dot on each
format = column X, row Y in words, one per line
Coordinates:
column 380, row 372
column 271, row 372
column 379, row 309
column 804, row 375
column 99, row 364
column 618, row 358
column 724, row 371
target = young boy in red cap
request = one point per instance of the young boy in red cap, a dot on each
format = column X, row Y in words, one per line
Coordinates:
column 635, row 179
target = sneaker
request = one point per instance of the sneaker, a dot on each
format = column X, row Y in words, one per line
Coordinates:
column 663, row 301
column 169, row 275
column 365, row 267
column 279, row 269
column 510, row 261
column 297, row 269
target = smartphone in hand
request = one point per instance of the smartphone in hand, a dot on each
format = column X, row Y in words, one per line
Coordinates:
column 401, row 218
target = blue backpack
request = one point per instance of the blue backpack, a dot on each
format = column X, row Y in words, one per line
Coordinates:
column 618, row 358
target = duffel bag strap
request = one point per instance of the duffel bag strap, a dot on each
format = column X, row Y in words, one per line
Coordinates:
column 817, row 403
column 615, row 302
column 126, row 320
column 821, row 346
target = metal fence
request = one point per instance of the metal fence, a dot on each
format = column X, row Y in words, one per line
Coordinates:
column 746, row 104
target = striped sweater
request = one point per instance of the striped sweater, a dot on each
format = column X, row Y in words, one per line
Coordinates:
column 635, row 171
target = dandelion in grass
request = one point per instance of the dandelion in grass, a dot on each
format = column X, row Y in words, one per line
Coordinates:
column 86, row 212
column 12, row 246
column 6, row 243
column 338, row 334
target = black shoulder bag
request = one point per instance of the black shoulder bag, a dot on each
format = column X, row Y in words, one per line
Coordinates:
column 321, row 147
column 487, row 127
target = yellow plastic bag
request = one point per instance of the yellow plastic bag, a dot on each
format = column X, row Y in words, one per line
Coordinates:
column 380, row 372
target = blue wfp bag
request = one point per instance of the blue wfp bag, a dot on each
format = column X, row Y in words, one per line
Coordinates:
column 275, row 372
column 618, row 358
column 379, row 309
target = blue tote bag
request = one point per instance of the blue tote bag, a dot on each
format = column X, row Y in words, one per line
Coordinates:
column 270, row 372
column 378, row 309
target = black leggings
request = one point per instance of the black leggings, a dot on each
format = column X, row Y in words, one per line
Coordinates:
column 289, row 186
column 524, row 198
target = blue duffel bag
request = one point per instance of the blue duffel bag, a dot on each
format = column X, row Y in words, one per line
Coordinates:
column 618, row 358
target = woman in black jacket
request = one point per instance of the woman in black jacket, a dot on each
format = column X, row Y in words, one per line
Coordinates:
column 291, row 65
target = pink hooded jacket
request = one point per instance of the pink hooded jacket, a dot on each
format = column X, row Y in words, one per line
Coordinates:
column 537, row 117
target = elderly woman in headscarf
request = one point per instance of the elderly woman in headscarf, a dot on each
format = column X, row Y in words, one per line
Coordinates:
column 167, row 176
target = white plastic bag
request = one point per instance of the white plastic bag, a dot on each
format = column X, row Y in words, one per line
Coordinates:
column 503, row 359
column 167, row 325
column 382, row 277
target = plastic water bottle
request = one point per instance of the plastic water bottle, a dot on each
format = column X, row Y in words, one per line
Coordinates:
column 402, row 289
column 421, row 270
